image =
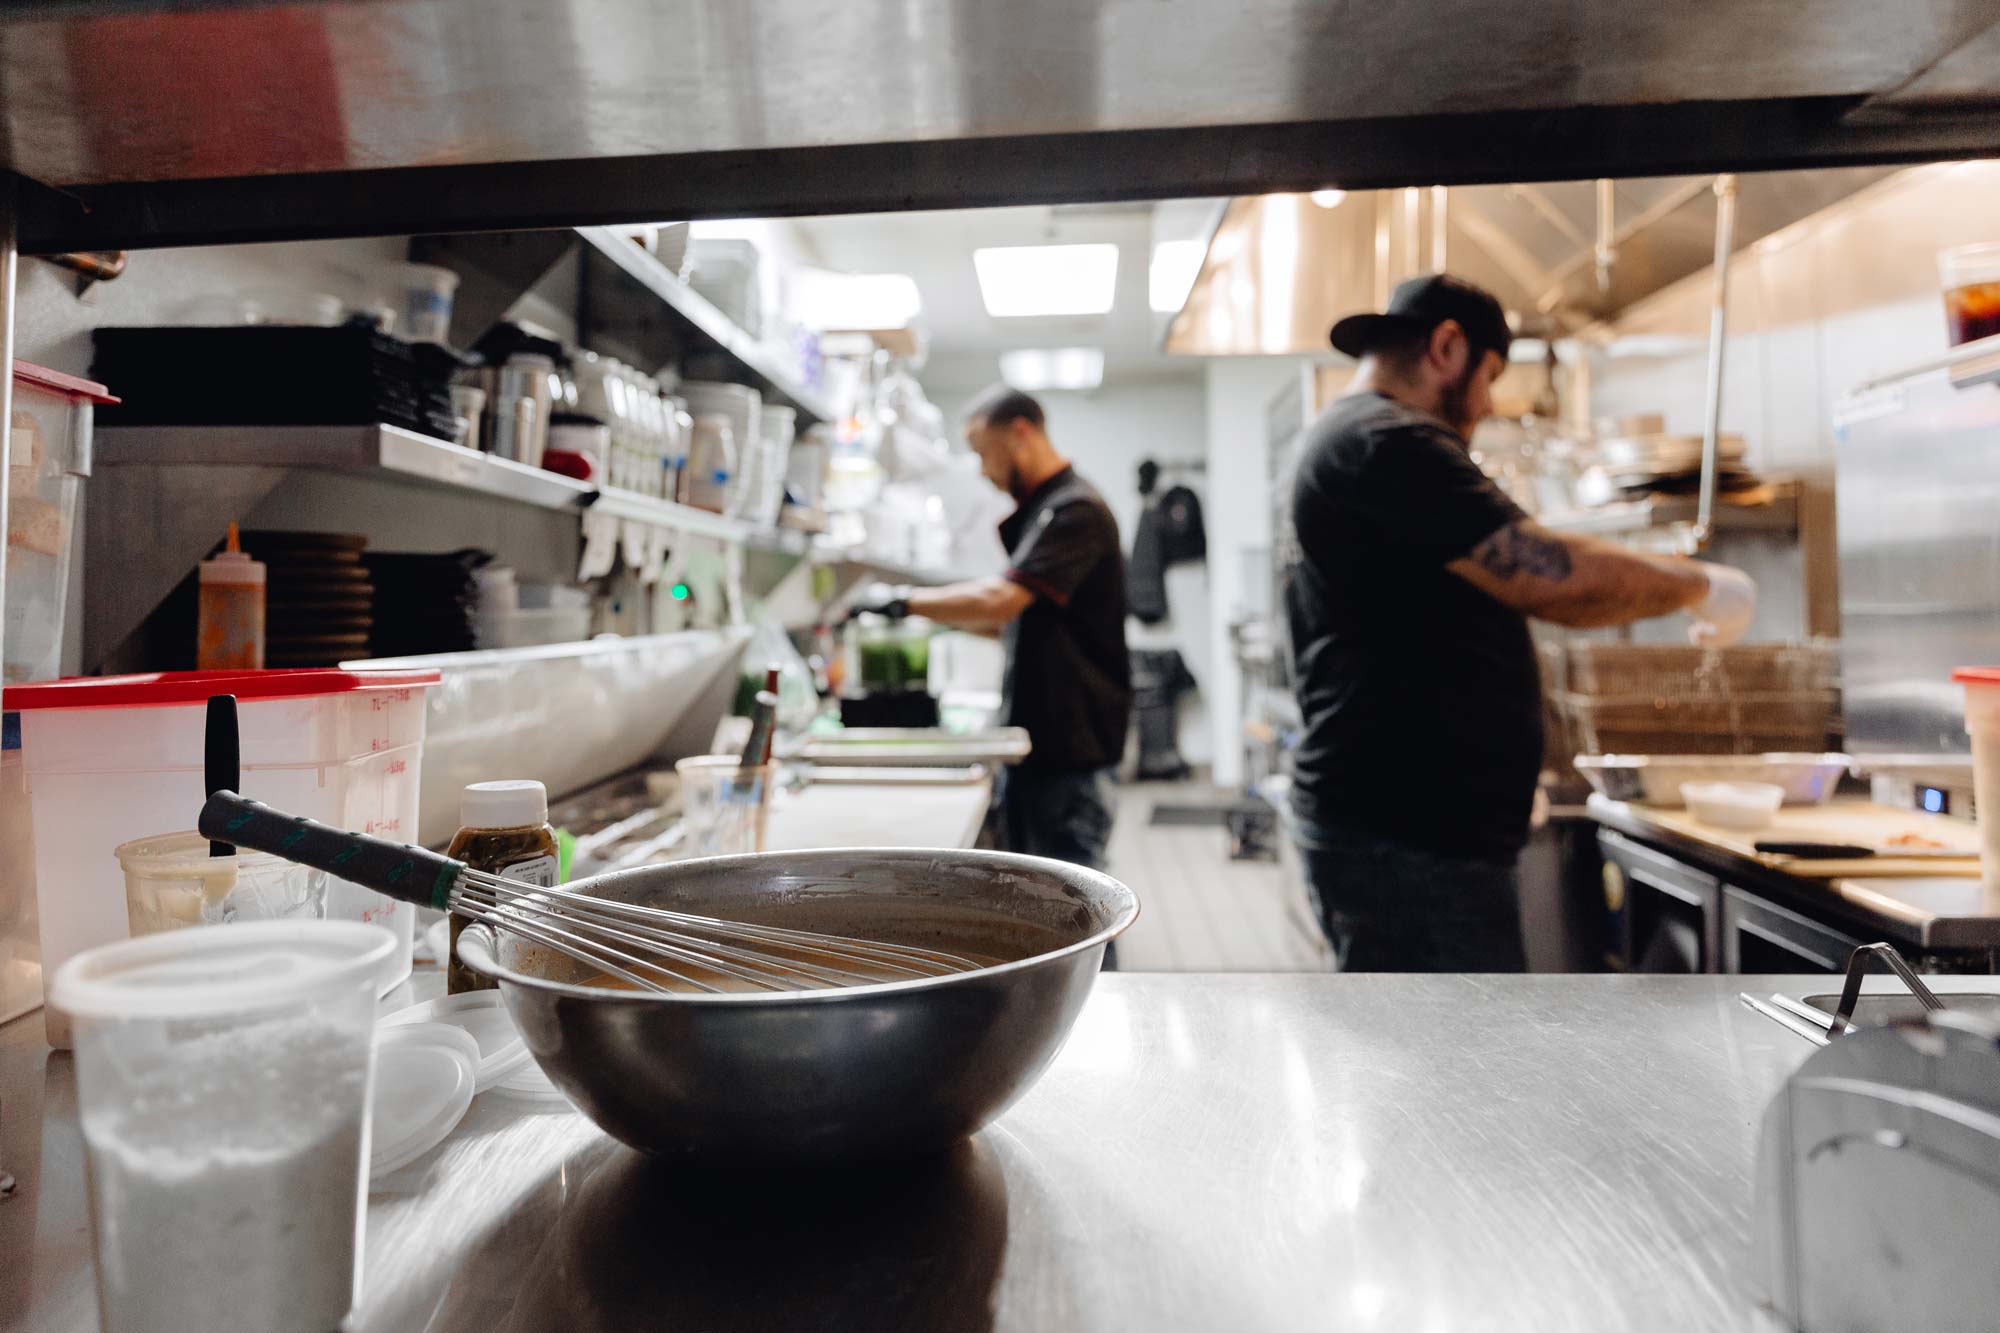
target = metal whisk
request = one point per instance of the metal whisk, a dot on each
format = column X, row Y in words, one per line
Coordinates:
column 650, row 948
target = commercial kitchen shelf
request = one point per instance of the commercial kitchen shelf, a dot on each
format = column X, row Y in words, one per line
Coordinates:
column 390, row 450
column 774, row 378
column 1780, row 514
column 405, row 455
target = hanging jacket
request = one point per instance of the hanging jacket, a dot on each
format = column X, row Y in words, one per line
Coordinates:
column 1170, row 533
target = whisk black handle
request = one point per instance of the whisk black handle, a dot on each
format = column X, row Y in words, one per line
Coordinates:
column 410, row 874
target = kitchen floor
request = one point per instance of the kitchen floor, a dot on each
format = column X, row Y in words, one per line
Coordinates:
column 1199, row 910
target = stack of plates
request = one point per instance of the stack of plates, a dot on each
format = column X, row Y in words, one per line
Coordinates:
column 318, row 597
column 424, row 603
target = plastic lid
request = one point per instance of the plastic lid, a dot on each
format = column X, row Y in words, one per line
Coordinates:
column 424, row 1081
column 161, row 688
column 516, row 803
column 531, row 1084
column 481, row 1015
column 1977, row 675
column 209, row 971
column 55, row 380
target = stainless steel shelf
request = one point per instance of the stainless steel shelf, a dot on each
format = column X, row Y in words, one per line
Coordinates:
column 776, row 379
column 1781, row 514
column 406, row 455
column 389, row 449
column 869, row 565
column 699, row 522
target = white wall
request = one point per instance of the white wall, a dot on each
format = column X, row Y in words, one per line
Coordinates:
column 1240, row 389
column 1106, row 433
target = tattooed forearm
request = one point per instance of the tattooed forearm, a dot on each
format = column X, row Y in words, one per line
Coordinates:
column 1579, row 581
column 1516, row 549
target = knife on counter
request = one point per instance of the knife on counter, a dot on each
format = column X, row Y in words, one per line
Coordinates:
column 1850, row 851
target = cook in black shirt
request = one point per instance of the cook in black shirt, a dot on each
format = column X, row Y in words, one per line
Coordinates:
column 1060, row 611
column 1407, row 599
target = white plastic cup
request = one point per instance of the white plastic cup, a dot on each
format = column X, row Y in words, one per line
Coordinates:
column 222, row 1088
column 423, row 295
column 172, row 882
column 1982, row 724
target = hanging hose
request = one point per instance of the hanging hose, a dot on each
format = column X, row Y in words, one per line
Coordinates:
column 1718, row 335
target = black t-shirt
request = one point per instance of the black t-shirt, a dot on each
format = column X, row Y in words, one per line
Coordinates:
column 1420, row 693
column 1068, row 681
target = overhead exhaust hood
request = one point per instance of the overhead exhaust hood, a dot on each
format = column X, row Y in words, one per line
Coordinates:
column 1281, row 268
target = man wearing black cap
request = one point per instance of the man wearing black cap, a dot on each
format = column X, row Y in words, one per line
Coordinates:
column 1407, row 598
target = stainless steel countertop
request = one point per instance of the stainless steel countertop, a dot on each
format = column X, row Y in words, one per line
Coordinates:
column 1942, row 911
column 1208, row 1152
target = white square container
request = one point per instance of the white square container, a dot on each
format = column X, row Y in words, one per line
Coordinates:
column 120, row 757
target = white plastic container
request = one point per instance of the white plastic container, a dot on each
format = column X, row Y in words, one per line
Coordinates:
column 120, row 757
column 222, row 1089
column 1745, row 806
column 48, row 458
column 422, row 295
column 1982, row 724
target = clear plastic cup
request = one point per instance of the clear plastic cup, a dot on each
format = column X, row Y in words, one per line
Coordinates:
column 1982, row 724
column 1970, row 277
column 171, row 882
column 222, row 1088
column 725, row 807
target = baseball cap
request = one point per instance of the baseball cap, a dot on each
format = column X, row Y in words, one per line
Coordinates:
column 1419, row 305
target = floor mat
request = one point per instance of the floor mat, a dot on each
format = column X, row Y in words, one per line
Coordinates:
column 1190, row 816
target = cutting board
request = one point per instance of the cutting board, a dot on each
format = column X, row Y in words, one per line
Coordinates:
column 1856, row 822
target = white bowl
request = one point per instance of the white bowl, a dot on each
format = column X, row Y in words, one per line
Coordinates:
column 1733, row 805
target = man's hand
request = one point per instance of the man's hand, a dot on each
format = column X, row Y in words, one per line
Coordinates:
column 882, row 600
column 1723, row 616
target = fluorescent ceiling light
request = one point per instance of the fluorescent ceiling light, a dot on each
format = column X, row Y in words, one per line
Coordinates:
column 1328, row 198
column 1028, row 280
column 821, row 300
column 1036, row 368
column 1176, row 264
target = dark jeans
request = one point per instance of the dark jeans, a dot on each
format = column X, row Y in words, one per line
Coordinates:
column 1390, row 907
column 1065, row 816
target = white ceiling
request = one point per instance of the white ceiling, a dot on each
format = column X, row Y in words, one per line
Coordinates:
column 936, row 250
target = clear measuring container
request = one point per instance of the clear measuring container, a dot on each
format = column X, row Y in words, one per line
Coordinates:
column 222, row 1088
column 725, row 807
column 171, row 881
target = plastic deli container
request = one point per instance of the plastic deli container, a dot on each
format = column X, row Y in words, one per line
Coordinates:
column 222, row 1079
column 172, row 881
column 115, row 758
column 48, row 457
column 422, row 296
column 1733, row 805
column 1970, row 277
column 1982, row 724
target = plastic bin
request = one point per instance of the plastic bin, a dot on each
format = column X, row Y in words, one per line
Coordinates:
column 48, row 456
column 112, row 759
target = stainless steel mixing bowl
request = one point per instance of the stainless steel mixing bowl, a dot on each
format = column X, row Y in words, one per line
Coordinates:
column 869, row 1071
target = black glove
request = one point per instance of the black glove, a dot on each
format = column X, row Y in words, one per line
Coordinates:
column 881, row 600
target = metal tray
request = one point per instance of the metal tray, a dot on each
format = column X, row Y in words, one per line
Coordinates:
column 1655, row 779
column 893, row 747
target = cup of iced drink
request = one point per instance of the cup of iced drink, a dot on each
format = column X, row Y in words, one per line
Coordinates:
column 1970, row 276
column 222, row 1088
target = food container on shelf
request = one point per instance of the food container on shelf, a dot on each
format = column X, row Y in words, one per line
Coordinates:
column 1982, row 724
column 1656, row 779
column 172, row 881
column 422, row 296
column 48, row 456
column 111, row 759
column 704, row 482
column 1970, row 276
column 1733, row 805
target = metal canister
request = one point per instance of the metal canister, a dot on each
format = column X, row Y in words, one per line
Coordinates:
column 520, row 408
